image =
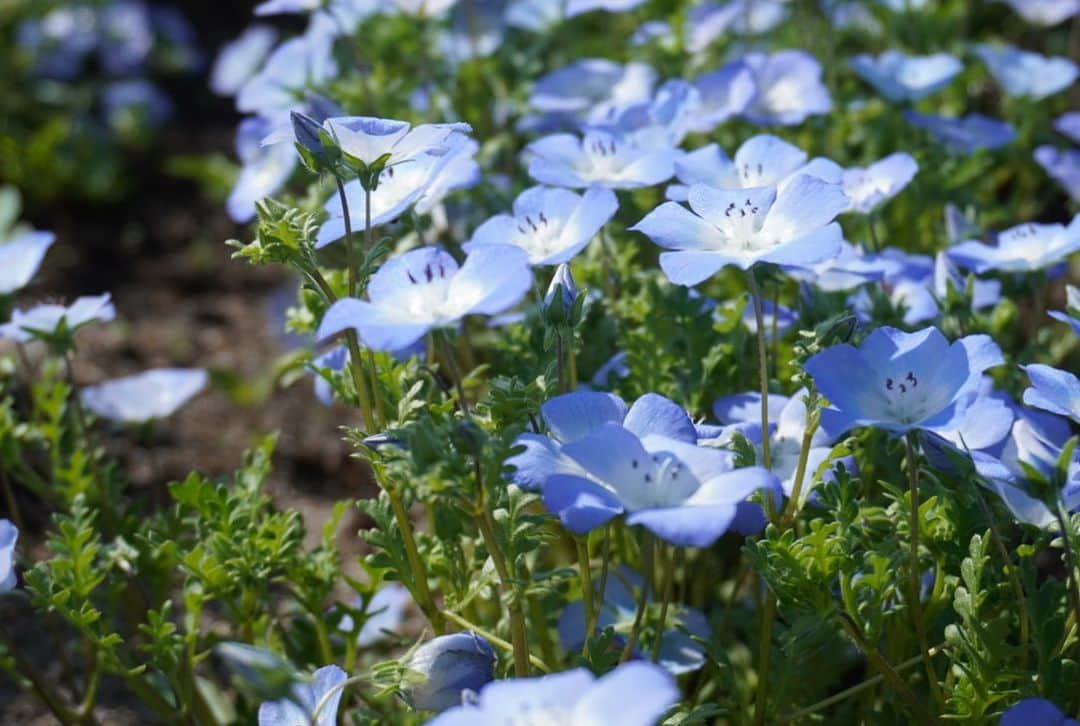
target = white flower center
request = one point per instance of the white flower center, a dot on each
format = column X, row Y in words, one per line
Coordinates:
column 905, row 400
column 538, row 235
column 661, row 480
column 429, row 292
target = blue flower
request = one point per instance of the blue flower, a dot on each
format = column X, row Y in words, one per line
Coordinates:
column 284, row 7
column 573, row 416
column 579, row 7
column 679, row 653
column 660, row 122
column 1053, row 390
column 965, row 135
column 791, row 225
column 534, row 15
column 884, row 179
column 1069, row 124
column 593, row 90
column 550, row 225
column 299, row 63
column 389, row 141
column 901, row 77
column 1023, row 73
column 708, row 21
column 789, row 88
column 384, row 613
column 45, row 320
column 264, row 169
column 761, row 161
column 775, row 317
column 598, row 159
column 145, row 396
column 742, row 413
column 9, row 534
column 126, row 37
column 446, row 667
column 133, row 104
column 848, row 270
column 1072, row 316
column 306, row 698
column 421, row 184
column 20, row 258
column 1045, row 12
column 682, row 493
column 724, row 94
column 1063, row 165
column 241, row 59
column 1035, row 711
column 1024, row 248
column 425, row 289
column 901, row 381
column 634, row 694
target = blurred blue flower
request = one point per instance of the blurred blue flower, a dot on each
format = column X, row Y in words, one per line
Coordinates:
column 707, row 21
column 593, row 90
column 446, row 668
column 792, row 225
column 775, row 317
column 241, row 59
column 850, row 269
column 965, row 135
column 45, row 319
column 1023, row 73
column 146, row 396
column 868, row 187
column 425, row 289
column 634, row 694
column 662, row 121
column 20, row 258
column 293, row 67
column 384, row 613
column 724, row 94
column 1024, row 248
column 134, row 105
column 1069, row 124
column 598, row 159
column 684, row 494
column 534, row 15
column 284, row 7
column 306, row 698
column 550, row 225
column 1053, row 390
column 1045, row 12
column 679, row 653
column 901, row 381
column 901, row 77
column 264, row 169
column 1063, row 165
column 59, row 41
column 1036, row 711
column 126, row 36
column 1070, row 315
column 789, row 88
column 9, row 534
column 579, row 7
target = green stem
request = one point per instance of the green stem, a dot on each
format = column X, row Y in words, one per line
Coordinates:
column 560, row 366
column 1070, row 560
column 646, row 577
column 350, row 250
column 517, row 619
column 421, row 592
column 792, row 508
column 914, row 574
column 455, row 373
column 587, row 593
column 768, row 614
column 668, row 565
column 763, row 367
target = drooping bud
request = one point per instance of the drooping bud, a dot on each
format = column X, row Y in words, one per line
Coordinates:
column 561, row 296
column 446, row 668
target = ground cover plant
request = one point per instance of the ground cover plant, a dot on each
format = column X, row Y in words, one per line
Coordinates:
column 709, row 363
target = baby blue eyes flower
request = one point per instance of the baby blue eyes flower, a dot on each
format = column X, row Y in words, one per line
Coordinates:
column 598, row 159
column 634, row 694
column 868, row 187
column 1063, row 165
column 761, row 161
column 370, row 140
column 9, row 534
column 789, row 88
column 1024, row 248
column 682, row 493
column 901, row 381
column 550, row 225
column 425, row 289
column 965, row 135
column 146, row 396
column 46, row 320
column 264, row 170
column 901, row 77
column 579, row 7
column 724, row 93
column 708, row 21
column 1035, row 711
column 306, row 698
column 1023, row 73
column 1069, row 124
column 385, row 613
column 421, row 183
column 293, row 66
column 20, row 258
column 1053, row 390
column 446, row 668
column 593, row 90
column 1072, row 317
column 1045, row 12
column 744, row 227
column 240, row 59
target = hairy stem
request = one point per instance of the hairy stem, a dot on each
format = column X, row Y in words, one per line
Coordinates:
column 763, row 367
column 587, row 593
column 422, row 593
column 647, row 573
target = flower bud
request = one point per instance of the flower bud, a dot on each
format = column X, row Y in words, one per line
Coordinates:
column 314, row 144
column 446, row 667
column 560, row 297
